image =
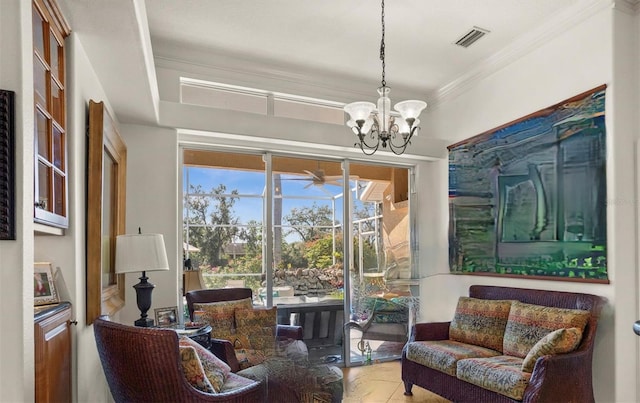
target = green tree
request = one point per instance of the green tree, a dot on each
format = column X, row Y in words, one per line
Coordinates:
column 252, row 236
column 308, row 221
column 211, row 222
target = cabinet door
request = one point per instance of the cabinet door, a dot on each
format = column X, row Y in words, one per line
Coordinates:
column 53, row 358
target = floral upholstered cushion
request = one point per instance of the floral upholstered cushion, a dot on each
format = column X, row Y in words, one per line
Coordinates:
column 480, row 321
column 214, row 368
column 500, row 374
column 249, row 357
column 193, row 371
column 444, row 354
column 529, row 323
column 235, row 381
column 256, row 329
column 221, row 316
column 557, row 342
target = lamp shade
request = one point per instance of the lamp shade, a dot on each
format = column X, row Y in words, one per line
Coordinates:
column 359, row 110
column 410, row 109
column 140, row 252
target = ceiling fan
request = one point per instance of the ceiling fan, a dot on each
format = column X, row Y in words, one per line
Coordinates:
column 318, row 178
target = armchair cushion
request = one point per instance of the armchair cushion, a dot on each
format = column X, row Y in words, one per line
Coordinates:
column 480, row 321
column 215, row 370
column 529, row 323
column 193, row 371
column 557, row 342
column 221, row 316
column 256, row 328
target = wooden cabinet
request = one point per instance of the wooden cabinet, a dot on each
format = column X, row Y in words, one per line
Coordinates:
column 52, row 339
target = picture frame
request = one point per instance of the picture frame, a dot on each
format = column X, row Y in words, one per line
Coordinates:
column 44, row 288
column 105, row 209
column 167, row 317
column 7, row 166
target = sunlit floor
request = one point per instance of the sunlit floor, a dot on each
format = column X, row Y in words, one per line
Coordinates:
column 381, row 382
column 381, row 351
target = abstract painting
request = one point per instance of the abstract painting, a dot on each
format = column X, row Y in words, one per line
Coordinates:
column 529, row 197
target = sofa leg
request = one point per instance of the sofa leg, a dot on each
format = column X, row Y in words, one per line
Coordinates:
column 407, row 389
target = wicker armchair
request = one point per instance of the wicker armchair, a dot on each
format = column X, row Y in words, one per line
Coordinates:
column 143, row 365
column 223, row 349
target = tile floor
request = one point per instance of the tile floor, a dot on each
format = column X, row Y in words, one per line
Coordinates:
column 381, row 383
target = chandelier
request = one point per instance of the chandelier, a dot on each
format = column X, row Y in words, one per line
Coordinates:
column 375, row 126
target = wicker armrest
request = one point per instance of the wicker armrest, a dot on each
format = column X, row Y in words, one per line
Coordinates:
column 548, row 368
column 223, row 349
column 289, row 332
column 430, row 331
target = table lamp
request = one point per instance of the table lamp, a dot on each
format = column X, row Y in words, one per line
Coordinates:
column 141, row 252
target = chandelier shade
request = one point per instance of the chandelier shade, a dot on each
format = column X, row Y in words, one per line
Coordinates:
column 376, row 124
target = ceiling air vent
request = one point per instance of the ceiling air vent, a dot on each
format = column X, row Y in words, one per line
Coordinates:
column 470, row 37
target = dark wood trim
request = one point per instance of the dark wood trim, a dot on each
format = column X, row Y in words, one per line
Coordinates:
column 7, row 166
column 103, row 141
column 528, row 277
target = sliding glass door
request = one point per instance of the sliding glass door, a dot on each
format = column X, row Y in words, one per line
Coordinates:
column 327, row 241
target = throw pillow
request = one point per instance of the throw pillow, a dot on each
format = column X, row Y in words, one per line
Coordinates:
column 557, row 342
column 214, row 368
column 480, row 322
column 256, row 329
column 220, row 316
column 529, row 323
column 193, row 371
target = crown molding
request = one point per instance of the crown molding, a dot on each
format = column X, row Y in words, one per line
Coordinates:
column 522, row 46
column 628, row 6
column 269, row 75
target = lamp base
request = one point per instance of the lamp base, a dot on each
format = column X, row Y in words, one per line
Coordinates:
column 144, row 322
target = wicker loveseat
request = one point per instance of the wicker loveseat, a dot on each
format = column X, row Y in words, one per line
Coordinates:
column 434, row 357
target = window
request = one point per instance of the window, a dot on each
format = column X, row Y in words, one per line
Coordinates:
column 50, row 160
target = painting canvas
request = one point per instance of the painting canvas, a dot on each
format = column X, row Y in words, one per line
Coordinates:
column 529, row 198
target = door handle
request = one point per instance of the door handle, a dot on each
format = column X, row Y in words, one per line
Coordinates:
column 636, row 327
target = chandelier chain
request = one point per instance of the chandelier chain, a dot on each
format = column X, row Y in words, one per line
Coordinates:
column 384, row 83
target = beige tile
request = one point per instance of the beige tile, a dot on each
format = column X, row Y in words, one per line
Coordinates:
column 382, row 383
column 419, row 396
column 371, row 391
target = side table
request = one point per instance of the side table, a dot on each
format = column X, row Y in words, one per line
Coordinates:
column 201, row 335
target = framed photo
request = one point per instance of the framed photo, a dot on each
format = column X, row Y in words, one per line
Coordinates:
column 7, row 166
column 44, row 289
column 167, row 317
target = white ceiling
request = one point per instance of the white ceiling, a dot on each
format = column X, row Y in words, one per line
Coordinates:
column 318, row 39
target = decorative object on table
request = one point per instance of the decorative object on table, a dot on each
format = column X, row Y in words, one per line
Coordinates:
column 379, row 124
column 141, row 252
column 529, row 198
column 7, row 166
column 44, row 289
column 167, row 317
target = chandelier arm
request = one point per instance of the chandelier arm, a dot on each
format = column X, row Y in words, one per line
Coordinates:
column 374, row 133
column 405, row 143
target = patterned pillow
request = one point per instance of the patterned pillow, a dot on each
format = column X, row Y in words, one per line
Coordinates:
column 192, row 369
column 256, row 329
column 557, row 342
column 214, row 368
column 529, row 323
column 480, row 322
column 220, row 316
column 248, row 357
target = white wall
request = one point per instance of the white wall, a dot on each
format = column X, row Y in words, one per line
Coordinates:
column 16, row 257
column 152, row 204
column 576, row 61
